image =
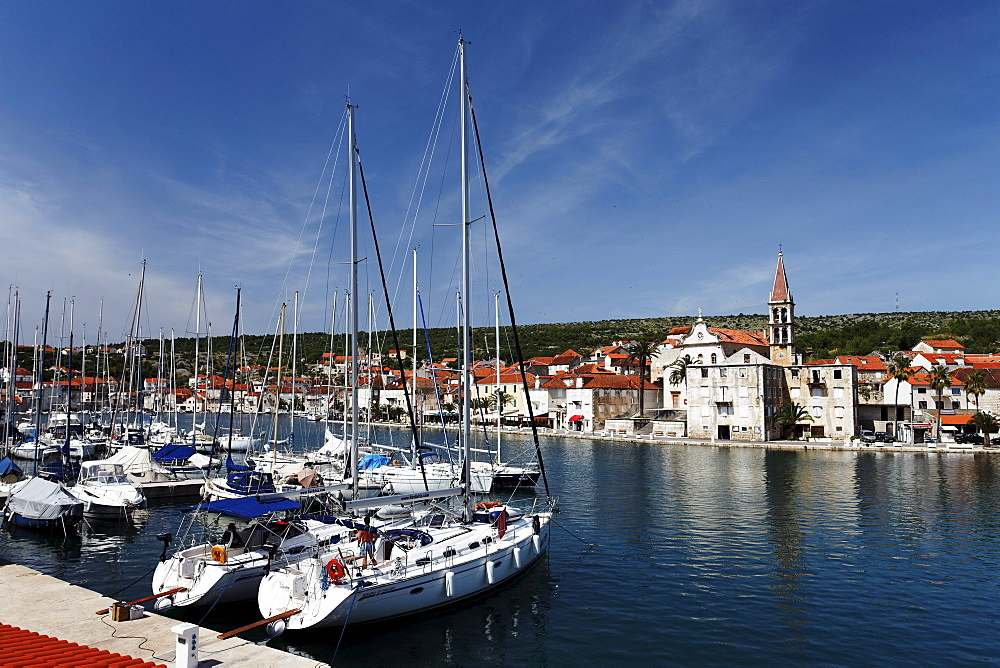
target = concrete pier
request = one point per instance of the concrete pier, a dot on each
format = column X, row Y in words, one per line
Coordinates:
column 47, row 605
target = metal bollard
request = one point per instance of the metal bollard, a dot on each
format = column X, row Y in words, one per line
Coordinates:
column 186, row 648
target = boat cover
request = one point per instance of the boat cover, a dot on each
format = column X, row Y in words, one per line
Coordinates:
column 246, row 508
column 7, row 465
column 133, row 459
column 40, row 499
column 369, row 462
column 174, row 452
column 333, row 445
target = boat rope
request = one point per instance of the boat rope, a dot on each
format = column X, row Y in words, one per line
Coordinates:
column 510, row 303
column 392, row 322
column 563, row 527
column 354, row 597
column 434, row 377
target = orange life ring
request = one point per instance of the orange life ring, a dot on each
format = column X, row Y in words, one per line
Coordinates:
column 486, row 505
column 335, row 569
column 219, row 554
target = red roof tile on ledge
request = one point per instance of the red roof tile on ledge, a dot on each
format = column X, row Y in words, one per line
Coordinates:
column 27, row 648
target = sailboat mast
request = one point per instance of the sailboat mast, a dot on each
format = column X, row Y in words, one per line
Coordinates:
column 413, row 377
column 197, row 350
column 499, row 395
column 466, row 280
column 277, row 391
column 295, row 354
column 41, row 377
column 354, row 292
column 69, row 383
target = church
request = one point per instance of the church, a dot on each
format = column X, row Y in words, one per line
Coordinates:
column 739, row 383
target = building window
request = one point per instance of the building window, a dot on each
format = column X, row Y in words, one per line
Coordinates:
column 704, row 372
column 956, row 390
column 746, row 358
column 837, row 374
column 956, row 404
column 715, row 358
column 743, row 373
column 921, row 404
column 838, row 411
column 921, row 390
column 722, row 372
column 795, row 373
column 817, row 411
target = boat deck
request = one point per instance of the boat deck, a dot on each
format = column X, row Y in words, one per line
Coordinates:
column 55, row 608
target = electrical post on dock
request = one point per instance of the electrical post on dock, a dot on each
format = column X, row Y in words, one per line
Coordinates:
column 186, row 648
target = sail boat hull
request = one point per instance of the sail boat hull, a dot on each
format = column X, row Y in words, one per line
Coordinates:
column 462, row 565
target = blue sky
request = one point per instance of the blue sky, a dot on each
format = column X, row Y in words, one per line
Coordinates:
column 646, row 159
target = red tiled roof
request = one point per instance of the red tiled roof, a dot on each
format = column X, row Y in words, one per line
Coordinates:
column 864, row 362
column 739, row 336
column 944, row 343
column 27, row 648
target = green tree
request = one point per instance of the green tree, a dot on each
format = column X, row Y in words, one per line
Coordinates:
column 501, row 399
column 679, row 367
column 898, row 368
column 790, row 415
column 986, row 423
column 938, row 379
column 638, row 355
column 975, row 386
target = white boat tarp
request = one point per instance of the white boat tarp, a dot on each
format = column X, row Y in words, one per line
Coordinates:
column 40, row 499
column 135, row 460
column 333, row 445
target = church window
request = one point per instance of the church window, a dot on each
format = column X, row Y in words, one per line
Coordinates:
column 715, row 358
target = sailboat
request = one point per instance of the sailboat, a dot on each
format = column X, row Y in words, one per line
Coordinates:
column 37, row 503
column 441, row 556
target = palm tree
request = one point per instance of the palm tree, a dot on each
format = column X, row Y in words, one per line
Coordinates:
column 638, row 354
column 500, row 399
column 679, row 373
column 975, row 385
column 939, row 378
column 986, row 423
column 790, row 415
column 899, row 368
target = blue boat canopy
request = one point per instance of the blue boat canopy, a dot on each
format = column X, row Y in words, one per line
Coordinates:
column 369, row 462
column 250, row 482
column 8, row 466
column 246, row 508
column 174, row 452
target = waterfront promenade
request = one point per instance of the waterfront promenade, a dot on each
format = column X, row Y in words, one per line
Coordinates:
column 815, row 444
column 52, row 607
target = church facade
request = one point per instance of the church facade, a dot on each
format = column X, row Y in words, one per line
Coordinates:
column 739, row 383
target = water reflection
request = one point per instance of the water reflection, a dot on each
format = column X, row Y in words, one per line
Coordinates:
column 703, row 555
column 782, row 494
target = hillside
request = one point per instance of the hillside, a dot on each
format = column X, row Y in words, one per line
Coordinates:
column 818, row 336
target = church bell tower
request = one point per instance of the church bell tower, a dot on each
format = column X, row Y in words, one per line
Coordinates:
column 781, row 318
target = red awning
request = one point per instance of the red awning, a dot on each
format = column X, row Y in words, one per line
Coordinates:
column 956, row 419
column 576, row 418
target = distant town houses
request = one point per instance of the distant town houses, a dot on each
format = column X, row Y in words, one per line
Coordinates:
column 699, row 381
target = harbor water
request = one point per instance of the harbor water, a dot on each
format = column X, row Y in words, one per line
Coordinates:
column 667, row 554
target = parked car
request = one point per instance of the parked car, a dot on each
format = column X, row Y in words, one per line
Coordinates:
column 972, row 439
column 867, row 436
column 884, row 437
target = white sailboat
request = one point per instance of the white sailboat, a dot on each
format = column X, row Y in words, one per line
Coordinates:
column 231, row 568
column 439, row 558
